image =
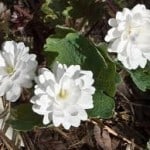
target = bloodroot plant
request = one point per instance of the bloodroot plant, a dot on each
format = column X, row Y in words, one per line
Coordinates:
column 79, row 81
column 129, row 39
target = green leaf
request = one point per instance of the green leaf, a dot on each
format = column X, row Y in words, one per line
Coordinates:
column 67, row 52
column 141, row 77
column 23, row 118
column 62, row 31
column 108, row 77
column 103, row 106
column 73, row 48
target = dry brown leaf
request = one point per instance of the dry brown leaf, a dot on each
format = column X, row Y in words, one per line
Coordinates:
column 115, row 143
column 102, row 138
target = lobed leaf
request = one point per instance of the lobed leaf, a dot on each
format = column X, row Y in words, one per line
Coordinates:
column 103, row 106
column 73, row 48
column 108, row 77
column 141, row 77
column 23, row 118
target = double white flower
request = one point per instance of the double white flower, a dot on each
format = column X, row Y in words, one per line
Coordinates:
column 63, row 96
column 17, row 69
column 129, row 36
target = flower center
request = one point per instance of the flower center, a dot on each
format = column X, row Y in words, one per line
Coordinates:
column 63, row 94
column 129, row 30
column 10, row 70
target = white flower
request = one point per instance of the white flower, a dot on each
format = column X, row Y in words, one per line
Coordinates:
column 63, row 96
column 129, row 36
column 17, row 69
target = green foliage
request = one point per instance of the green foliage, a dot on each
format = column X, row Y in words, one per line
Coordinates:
column 108, row 77
column 73, row 48
column 57, row 11
column 53, row 10
column 23, row 118
column 141, row 77
column 103, row 106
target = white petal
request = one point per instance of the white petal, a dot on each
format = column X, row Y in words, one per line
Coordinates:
column 143, row 62
column 114, row 46
column 83, row 114
column 34, row 99
column 14, row 93
column 2, row 61
column 112, row 22
column 9, row 133
column 139, row 8
column 48, row 75
column 66, row 125
column 5, row 86
column 71, row 70
column 75, row 121
column 44, row 100
column 41, row 78
column 85, row 101
column 126, row 13
column 46, row 119
column 112, row 34
column 121, row 26
column 59, row 70
column 119, row 16
column 58, row 118
column 147, row 55
column 85, row 82
column 38, row 91
column 50, row 90
column 9, row 47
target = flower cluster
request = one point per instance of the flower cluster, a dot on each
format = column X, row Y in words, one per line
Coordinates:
column 129, row 36
column 63, row 95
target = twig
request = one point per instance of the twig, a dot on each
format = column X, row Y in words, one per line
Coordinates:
column 27, row 141
column 82, row 23
column 25, row 13
column 9, row 144
column 61, row 132
column 111, row 6
column 91, row 29
column 114, row 133
column 132, row 103
column 127, row 101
